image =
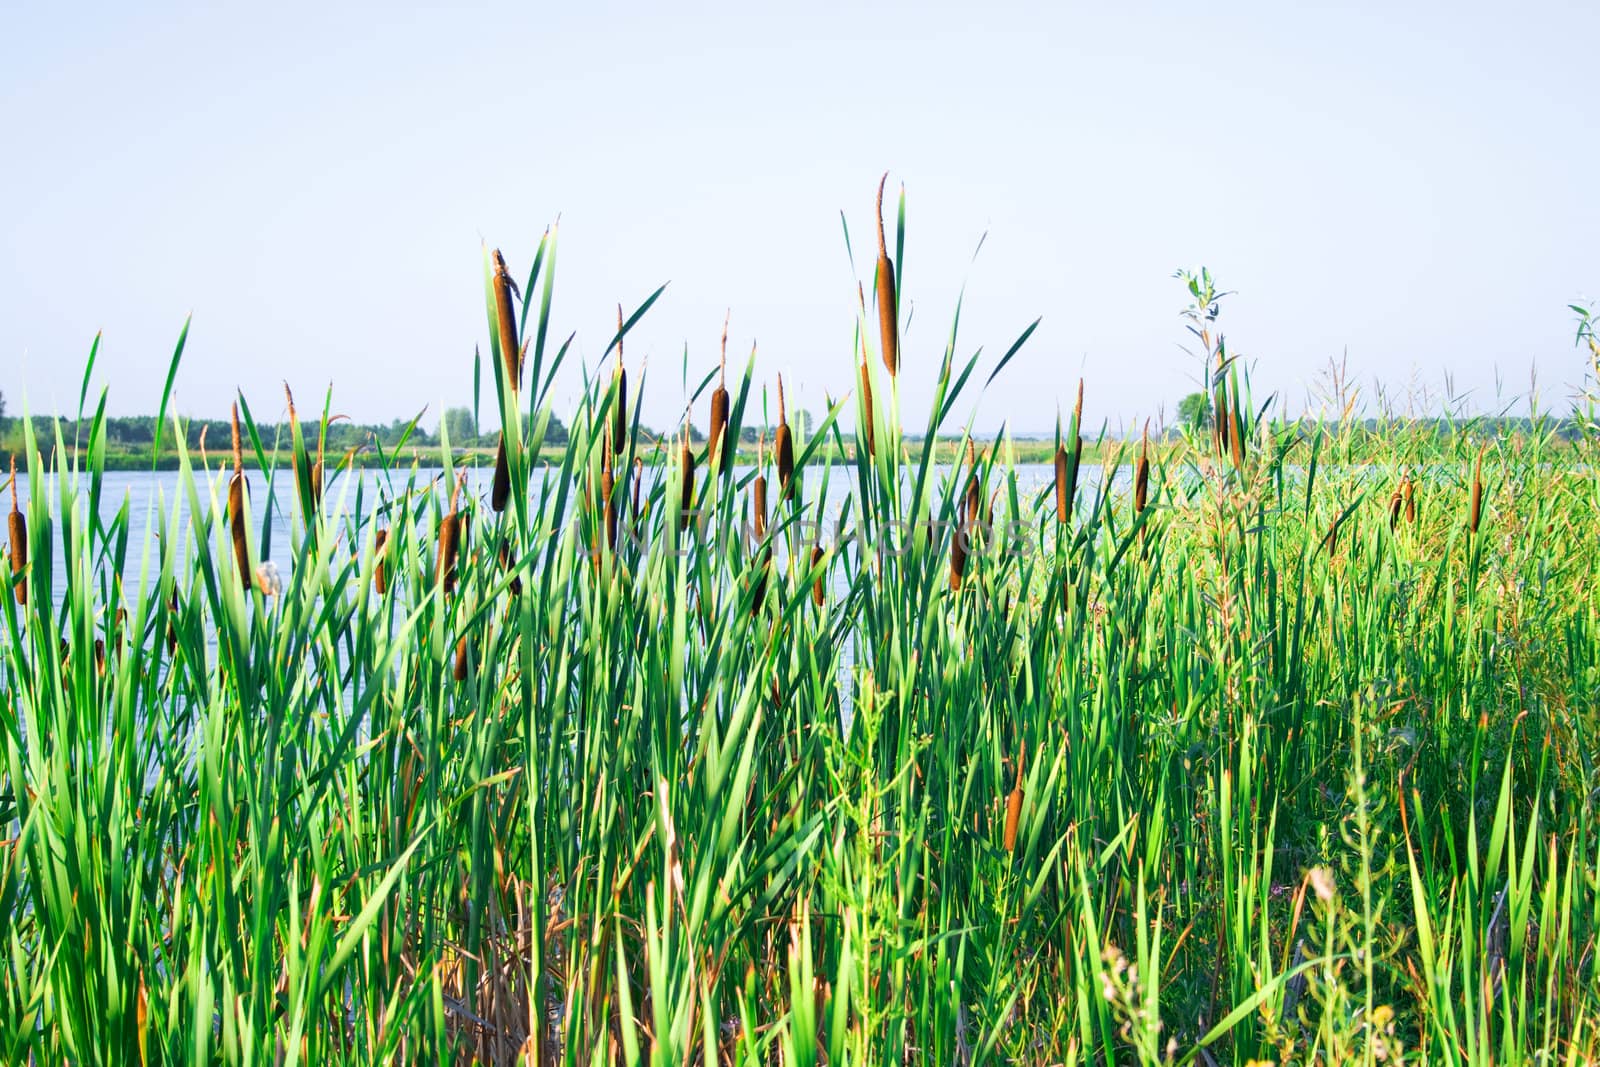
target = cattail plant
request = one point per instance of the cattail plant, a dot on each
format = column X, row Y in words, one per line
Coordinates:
column 236, row 522
column 974, row 496
column 449, row 533
column 619, row 381
column 817, row 591
column 958, row 555
column 758, row 487
column 686, row 479
column 1410, row 500
column 1397, row 501
column 172, row 622
column 506, row 563
column 1141, row 475
column 1475, row 511
column 608, row 492
column 17, row 533
column 719, row 408
column 866, row 408
column 511, row 360
column 888, row 313
column 783, row 447
column 460, row 671
column 1014, row 801
column 380, row 573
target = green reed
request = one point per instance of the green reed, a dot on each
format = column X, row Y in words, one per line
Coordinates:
column 1252, row 771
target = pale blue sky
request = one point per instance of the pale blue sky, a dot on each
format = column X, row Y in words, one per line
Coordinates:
column 1413, row 181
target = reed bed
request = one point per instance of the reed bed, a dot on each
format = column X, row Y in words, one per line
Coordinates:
column 1245, row 794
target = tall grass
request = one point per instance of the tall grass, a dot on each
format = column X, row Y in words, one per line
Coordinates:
column 1185, row 781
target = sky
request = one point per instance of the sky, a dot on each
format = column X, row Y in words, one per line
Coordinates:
column 1408, row 188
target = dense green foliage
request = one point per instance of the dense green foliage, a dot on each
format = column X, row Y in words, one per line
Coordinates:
column 1299, row 773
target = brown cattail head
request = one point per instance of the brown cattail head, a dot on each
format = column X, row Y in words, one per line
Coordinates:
column 1396, row 502
column 888, row 312
column 505, row 320
column 17, row 535
column 1141, row 475
column 449, row 541
column 461, row 659
column 500, row 488
column 506, row 563
column 1410, row 499
column 608, row 494
column 1014, row 801
column 758, row 488
column 817, row 591
column 172, row 623
column 511, row 360
column 1475, row 513
column 783, row 447
column 719, row 407
column 316, row 481
column 380, row 549
column 866, row 407
column 974, row 493
column 619, row 413
column 958, row 557
column 236, row 520
column 686, row 483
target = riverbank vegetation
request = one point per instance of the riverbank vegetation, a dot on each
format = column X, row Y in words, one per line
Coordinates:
column 1281, row 749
